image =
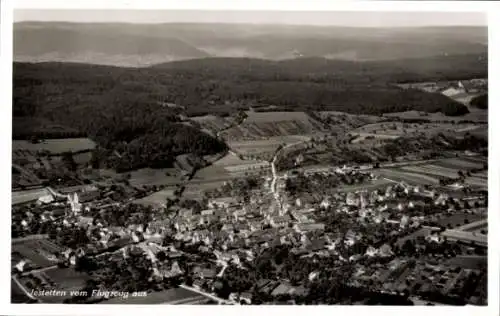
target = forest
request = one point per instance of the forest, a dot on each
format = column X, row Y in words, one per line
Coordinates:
column 134, row 113
column 480, row 102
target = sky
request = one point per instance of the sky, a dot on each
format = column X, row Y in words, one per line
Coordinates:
column 350, row 19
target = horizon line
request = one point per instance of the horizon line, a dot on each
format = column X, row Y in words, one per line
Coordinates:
column 258, row 24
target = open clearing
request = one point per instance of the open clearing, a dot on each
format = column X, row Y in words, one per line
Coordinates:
column 459, row 163
column 372, row 185
column 479, row 116
column 433, row 170
column 269, row 145
column 391, row 130
column 459, row 219
column 211, row 123
column 469, row 262
column 66, row 279
column 148, row 176
column 230, row 166
column 408, row 177
column 156, row 199
column 25, row 196
column 56, row 146
column 262, row 125
column 41, row 252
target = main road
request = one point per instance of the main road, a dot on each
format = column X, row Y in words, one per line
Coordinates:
column 209, row 295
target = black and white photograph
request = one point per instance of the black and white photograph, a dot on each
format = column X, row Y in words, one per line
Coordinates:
column 218, row 157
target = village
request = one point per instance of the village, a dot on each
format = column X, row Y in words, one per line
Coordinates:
column 394, row 239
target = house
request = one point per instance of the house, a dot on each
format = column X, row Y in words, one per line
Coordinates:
column 385, row 251
column 246, row 298
column 316, row 245
column 255, row 225
column 307, row 227
column 85, row 221
column 198, row 284
column 88, row 196
column 206, row 219
column 239, row 214
column 224, row 202
column 207, row 212
column 280, row 221
column 207, row 273
column 282, row 288
column 227, row 227
column 234, row 297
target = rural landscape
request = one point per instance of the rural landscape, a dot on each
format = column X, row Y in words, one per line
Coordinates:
column 185, row 163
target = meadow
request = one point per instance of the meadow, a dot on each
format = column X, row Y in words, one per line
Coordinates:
column 55, row 146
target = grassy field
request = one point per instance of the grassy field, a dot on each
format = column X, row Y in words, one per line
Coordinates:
column 257, row 147
column 37, row 251
column 432, row 172
column 230, row 166
column 148, row 176
column 195, row 190
column 24, row 196
column 458, row 219
column 408, row 177
column 460, row 163
column 66, row 279
column 259, row 125
column 469, row 262
column 56, row 146
column 398, row 129
column 211, row 123
column 157, row 198
column 479, row 116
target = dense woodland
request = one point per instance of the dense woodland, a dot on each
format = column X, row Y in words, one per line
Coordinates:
column 125, row 109
column 480, row 102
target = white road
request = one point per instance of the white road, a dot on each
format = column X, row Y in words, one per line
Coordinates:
column 25, row 291
column 209, row 295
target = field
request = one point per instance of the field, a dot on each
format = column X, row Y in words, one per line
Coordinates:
column 39, row 251
column 66, row 279
column 264, row 148
column 391, row 130
column 469, row 262
column 413, row 236
column 56, row 146
column 430, row 173
column 478, row 116
column 408, row 177
column 195, row 190
column 458, row 219
column 375, row 184
column 25, row 196
column 262, row 125
column 211, row 123
column 157, row 198
column 227, row 168
column 148, row 176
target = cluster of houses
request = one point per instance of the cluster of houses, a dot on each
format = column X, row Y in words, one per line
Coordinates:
column 228, row 232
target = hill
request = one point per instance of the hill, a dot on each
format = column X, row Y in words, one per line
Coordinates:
column 480, row 102
column 220, row 85
column 147, row 44
column 127, row 112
